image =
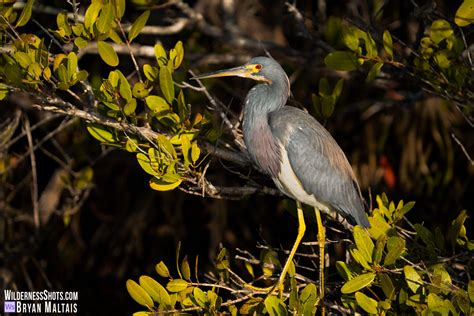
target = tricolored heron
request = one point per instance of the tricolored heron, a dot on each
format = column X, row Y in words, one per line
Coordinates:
column 293, row 148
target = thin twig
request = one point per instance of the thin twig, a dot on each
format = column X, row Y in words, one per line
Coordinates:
column 34, row 175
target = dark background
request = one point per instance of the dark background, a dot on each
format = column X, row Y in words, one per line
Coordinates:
column 396, row 136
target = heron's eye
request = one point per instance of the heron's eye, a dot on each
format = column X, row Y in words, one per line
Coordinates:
column 258, row 66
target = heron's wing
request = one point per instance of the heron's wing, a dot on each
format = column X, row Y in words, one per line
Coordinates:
column 318, row 162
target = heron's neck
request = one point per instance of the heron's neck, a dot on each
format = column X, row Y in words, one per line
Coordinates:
column 261, row 144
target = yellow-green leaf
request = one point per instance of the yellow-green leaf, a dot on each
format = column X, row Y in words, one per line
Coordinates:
column 166, row 84
column 104, row 22
column 185, row 269
column 130, row 107
column 124, row 86
column 465, row 13
column 357, row 283
column 71, row 64
column 178, row 55
column 146, row 165
column 157, row 292
column 200, row 297
column 378, row 226
column 139, row 294
column 160, row 54
column 274, row 306
column 374, row 71
column 413, row 279
column 80, row 42
column 363, row 242
column 23, row 59
column 162, row 270
column 176, row 285
column 195, row 152
column 395, row 246
column 138, row 25
column 139, row 90
column 151, row 73
column 388, row 43
column 366, row 303
column 156, row 103
column 341, row 60
column 387, row 285
column 91, row 15
column 25, row 13
column 101, row 133
column 343, row 270
column 119, row 8
column 160, row 185
column 440, row 30
column 107, row 53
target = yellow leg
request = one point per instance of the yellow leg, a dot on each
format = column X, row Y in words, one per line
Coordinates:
column 301, row 231
column 322, row 243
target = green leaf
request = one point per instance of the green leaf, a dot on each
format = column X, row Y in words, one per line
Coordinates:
column 138, row 25
column 425, row 234
column 378, row 226
column 139, row 294
column 200, row 297
column 162, row 270
column 166, row 84
column 366, row 303
column 101, row 133
column 327, row 105
column 177, row 285
column 379, row 247
column 107, row 53
column 25, row 13
column 363, row 243
column 343, row 270
column 183, row 109
column 179, row 55
column 124, row 86
column 456, row 227
column 195, row 152
column 342, row 61
column 357, row 283
column 387, row 285
column 441, row 59
column 139, row 90
column 388, row 43
column 23, row 59
column 308, row 299
column 470, row 290
column 156, row 103
column 395, row 246
column 357, row 255
column 440, row 30
column 274, row 306
column 185, row 269
column 185, row 148
column 146, row 165
column 336, row 92
column 405, row 209
column 130, row 107
column 160, row 54
column 71, row 64
column 161, row 185
column 91, row 15
column 80, row 42
column 166, row 146
column 350, row 39
column 151, row 73
column 119, row 8
column 465, row 13
column 104, row 21
column 324, row 90
column 374, row 71
column 412, row 278
column 61, row 20
column 157, row 292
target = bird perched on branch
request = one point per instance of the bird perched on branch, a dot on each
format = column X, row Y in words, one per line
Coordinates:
column 296, row 151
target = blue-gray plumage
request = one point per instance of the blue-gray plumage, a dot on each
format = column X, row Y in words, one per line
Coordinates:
column 273, row 130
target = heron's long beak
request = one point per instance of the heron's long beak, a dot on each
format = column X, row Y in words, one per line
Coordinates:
column 241, row 71
column 246, row 71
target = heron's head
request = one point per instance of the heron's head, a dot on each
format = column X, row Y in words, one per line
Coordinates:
column 264, row 69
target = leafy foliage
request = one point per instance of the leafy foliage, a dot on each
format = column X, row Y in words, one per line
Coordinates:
column 392, row 271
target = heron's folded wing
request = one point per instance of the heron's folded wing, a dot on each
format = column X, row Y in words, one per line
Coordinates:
column 318, row 162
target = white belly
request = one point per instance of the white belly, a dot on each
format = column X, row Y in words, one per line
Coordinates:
column 289, row 183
